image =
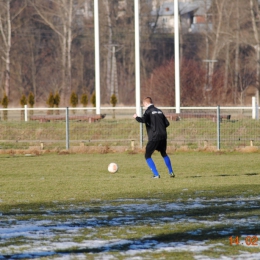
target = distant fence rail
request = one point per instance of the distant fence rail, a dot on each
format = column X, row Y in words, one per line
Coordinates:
column 61, row 128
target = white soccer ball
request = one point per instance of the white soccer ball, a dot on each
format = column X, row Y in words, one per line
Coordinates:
column 112, row 167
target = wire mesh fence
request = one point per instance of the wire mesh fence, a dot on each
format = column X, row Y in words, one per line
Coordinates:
column 193, row 128
column 198, row 128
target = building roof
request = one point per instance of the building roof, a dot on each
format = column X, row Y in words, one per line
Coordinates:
column 199, row 7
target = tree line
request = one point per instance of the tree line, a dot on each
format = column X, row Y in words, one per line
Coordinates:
column 48, row 47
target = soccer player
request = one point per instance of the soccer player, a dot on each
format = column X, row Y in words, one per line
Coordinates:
column 156, row 123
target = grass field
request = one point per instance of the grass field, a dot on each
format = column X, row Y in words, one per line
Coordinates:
column 69, row 207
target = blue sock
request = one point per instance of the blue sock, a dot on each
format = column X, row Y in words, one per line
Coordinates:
column 168, row 163
column 152, row 166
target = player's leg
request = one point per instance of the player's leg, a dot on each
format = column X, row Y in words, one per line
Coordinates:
column 169, row 165
column 166, row 158
column 150, row 148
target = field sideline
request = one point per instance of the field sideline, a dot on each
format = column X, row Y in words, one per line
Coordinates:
column 69, row 207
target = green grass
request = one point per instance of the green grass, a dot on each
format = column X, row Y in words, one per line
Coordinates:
column 77, row 188
column 85, row 176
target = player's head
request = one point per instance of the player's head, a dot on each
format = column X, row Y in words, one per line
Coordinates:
column 147, row 101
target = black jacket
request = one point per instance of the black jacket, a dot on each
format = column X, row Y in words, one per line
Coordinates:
column 155, row 122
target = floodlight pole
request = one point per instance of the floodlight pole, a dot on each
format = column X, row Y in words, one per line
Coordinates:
column 137, row 59
column 177, row 56
column 97, row 57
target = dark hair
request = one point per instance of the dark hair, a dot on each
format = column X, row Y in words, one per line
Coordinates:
column 148, row 99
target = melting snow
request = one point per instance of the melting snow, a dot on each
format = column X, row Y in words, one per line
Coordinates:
column 43, row 238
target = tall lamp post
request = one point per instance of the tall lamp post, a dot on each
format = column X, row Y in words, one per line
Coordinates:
column 97, row 57
column 137, row 59
column 177, row 56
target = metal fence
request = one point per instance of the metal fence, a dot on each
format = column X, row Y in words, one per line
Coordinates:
column 63, row 128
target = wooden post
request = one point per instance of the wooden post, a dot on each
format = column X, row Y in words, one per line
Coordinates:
column 133, row 144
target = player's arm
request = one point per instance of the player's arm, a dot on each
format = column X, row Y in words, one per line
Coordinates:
column 166, row 122
column 139, row 119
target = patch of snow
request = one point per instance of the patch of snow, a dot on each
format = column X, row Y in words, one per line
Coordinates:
column 39, row 238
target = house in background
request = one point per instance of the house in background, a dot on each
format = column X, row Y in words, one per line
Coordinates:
column 194, row 14
column 194, row 17
column 86, row 9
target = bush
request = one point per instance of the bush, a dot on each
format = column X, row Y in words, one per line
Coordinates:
column 5, row 102
column 74, row 100
column 57, row 99
column 84, row 100
column 23, row 101
column 50, row 102
column 162, row 87
column 93, row 99
column 57, row 102
column 113, row 100
column 31, row 100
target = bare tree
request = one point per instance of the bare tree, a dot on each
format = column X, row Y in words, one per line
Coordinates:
column 31, row 55
column 59, row 16
column 237, row 40
column 254, row 10
column 213, row 38
column 246, row 48
column 228, row 15
column 6, row 20
column 109, row 46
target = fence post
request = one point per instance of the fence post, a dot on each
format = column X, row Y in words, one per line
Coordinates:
column 25, row 113
column 67, row 129
column 218, row 127
column 257, row 111
column 141, row 130
column 253, row 108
